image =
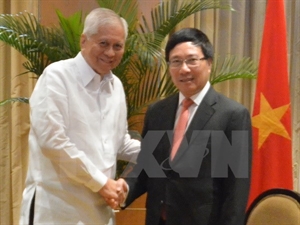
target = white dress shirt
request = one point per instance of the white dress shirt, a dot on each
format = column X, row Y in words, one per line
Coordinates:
column 78, row 130
column 197, row 99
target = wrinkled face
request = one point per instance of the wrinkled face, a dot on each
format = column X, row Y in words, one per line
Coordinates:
column 103, row 51
column 192, row 74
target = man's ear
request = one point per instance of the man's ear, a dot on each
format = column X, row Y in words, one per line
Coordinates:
column 210, row 62
column 83, row 39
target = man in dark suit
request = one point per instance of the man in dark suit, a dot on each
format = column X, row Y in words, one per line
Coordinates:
column 206, row 180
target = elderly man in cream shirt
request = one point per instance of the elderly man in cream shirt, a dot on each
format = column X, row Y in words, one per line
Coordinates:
column 79, row 130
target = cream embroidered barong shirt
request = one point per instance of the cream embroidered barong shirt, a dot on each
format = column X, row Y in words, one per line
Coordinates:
column 78, row 130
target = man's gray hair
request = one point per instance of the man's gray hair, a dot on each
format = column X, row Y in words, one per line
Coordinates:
column 100, row 17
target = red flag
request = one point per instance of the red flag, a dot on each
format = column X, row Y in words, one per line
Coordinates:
column 271, row 121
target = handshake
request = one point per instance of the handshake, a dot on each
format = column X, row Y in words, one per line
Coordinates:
column 114, row 192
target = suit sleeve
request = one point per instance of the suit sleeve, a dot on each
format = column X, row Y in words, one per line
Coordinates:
column 137, row 179
column 235, row 188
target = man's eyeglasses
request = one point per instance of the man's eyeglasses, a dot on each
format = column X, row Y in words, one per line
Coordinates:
column 192, row 62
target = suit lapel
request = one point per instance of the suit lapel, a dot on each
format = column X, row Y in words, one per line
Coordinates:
column 168, row 113
column 164, row 120
column 202, row 116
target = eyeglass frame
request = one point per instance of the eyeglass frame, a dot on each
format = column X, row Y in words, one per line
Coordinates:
column 186, row 61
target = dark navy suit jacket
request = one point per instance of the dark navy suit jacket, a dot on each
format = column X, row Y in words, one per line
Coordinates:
column 207, row 183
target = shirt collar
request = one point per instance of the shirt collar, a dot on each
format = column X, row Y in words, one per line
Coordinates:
column 88, row 73
column 197, row 98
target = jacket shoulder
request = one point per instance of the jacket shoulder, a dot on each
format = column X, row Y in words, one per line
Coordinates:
column 166, row 102
column 224, row 101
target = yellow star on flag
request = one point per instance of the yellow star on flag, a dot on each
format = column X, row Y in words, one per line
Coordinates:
column 268, row 121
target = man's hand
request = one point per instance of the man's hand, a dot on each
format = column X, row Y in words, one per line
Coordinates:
column 114, row 192
column 122, row 190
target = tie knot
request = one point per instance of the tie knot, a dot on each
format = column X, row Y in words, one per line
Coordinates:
column 187, row 102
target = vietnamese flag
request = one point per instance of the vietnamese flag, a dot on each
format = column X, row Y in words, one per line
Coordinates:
column 271, row 119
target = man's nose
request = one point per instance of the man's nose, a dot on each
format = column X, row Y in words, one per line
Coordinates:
column 109, row 51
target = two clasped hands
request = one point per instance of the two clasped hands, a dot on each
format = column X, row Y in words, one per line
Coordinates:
column 114, row 192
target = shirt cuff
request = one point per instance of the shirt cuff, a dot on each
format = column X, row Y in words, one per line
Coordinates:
column 97, row 182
